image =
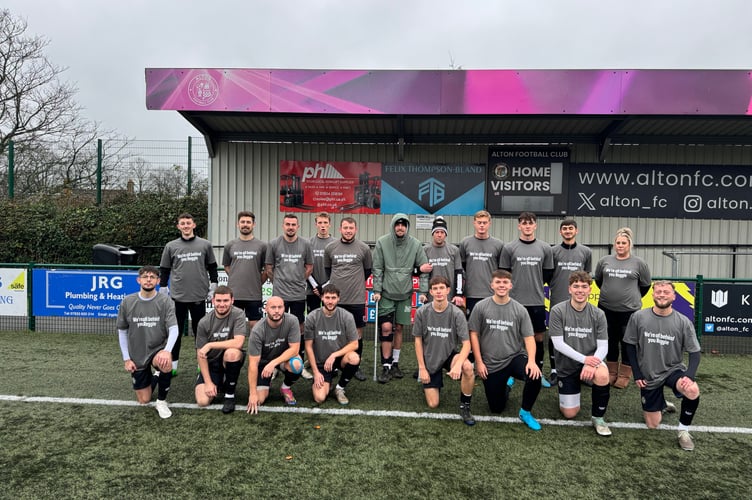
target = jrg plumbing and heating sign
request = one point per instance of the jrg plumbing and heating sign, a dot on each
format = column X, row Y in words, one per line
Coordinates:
column 527, row 179
column 82, row 294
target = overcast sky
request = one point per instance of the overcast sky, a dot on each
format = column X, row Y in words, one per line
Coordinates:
column 107, row 45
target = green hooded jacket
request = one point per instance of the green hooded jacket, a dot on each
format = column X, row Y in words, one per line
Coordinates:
column 394, row 260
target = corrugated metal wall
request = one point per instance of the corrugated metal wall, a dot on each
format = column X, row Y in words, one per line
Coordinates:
column 245, row 176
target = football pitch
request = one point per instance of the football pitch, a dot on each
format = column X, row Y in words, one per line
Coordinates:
column 70, row 428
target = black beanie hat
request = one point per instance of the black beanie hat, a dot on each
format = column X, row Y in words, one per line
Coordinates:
column 439, row 223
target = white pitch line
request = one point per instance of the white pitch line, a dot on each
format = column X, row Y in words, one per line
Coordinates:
column 373, row 413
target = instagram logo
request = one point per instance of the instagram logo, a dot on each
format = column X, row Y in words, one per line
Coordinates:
column 692, row 203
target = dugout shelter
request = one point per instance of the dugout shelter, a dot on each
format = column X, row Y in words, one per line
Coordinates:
column 665, row 152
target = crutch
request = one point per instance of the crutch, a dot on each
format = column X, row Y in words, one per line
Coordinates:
column 375, row 341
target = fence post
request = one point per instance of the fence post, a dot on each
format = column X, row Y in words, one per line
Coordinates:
column 99, row 172
column 32, row 324
column 190, row 172
column 698, row 307
column 11, row 171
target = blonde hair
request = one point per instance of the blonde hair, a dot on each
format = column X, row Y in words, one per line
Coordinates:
column 481, row 214
column 627, row 233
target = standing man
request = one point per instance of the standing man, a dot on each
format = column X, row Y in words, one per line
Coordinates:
column 243, row 259
column 219, row 350
column 289, row 263
column 501, row 336
column 439, row 328
column 480, row 254
column 580, row 334
column 348, row 264
column 656, row 340
column 396, row 256
column 531, row 263
column 444, row 260
column 147, row 332
column 568, row 257
column 318, row 276
column 274, row 343
column 190, row 261
column 331, row 341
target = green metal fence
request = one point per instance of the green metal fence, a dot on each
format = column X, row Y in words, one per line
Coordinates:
column 717, row 340
column 105, row 167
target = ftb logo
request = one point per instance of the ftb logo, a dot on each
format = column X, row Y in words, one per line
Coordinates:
column 435, row 190
column 719, row 298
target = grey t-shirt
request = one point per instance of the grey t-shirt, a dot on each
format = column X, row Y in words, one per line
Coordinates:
column 269, row 342
column 246, row 259
column 567, row 260
column 188, row 261
column 661, row 342
column 317, row 249
column 581, row 330
column 289, row 261
column 214, row 329
column 441, row 333
column 527, row 260
column 348, row 262
column 329, row 334
column 446, row 262
column 480, row 259
column 501, row 331
column 147, row 323
column 621, row 282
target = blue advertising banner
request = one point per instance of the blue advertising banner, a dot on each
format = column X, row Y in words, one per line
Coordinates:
column 432, row 189
column 83, row 294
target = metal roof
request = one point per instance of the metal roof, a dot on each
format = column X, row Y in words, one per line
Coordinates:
column 467, row 129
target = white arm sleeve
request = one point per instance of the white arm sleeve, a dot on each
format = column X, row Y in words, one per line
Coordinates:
column 123, row 338
column 567, row 350
column 172, row 337
column 601, row 350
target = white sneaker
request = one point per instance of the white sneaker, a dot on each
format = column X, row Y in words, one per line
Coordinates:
column 162, row 408
column 340, row 395
column 306, row 374
column 670, row 408
column 600, row 426
column 685, row 441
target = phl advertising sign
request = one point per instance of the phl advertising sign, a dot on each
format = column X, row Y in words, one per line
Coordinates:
column 661, row 191
column 432, row 189
column 527, row 179
column 330, row 186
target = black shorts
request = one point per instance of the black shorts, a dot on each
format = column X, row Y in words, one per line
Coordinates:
column 437, row 379
column 254, row 309
column 329, row 376
column 313, row 302
column 653, row 399
column 216, row 373
column 537, row 317
column 297, row 309
column 358, row 312
column 141, row 379
column 571, row 384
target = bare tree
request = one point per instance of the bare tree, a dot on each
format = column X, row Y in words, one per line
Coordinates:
column 55, row 147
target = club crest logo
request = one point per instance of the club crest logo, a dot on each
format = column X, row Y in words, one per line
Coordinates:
column 719, row 298
column 203, row 90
